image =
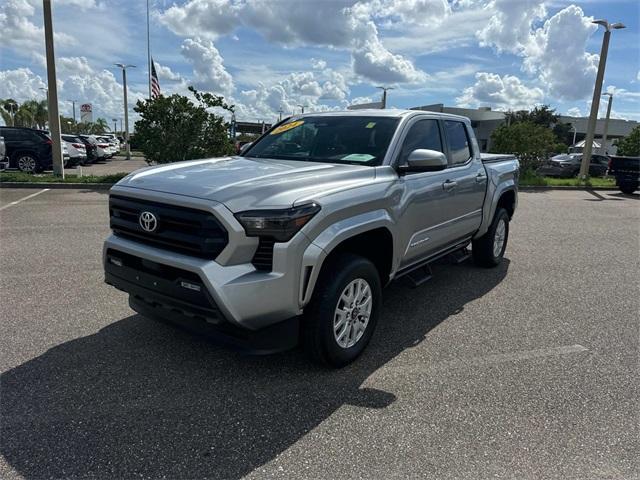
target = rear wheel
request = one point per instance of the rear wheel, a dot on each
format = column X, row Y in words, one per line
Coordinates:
column 343, row 312
column 27, row 163
column 628, row 187
column 488, row 250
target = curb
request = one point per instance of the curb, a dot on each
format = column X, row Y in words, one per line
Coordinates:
column 53, row 185
column 533, row 188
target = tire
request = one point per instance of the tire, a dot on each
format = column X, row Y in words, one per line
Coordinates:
column 484, row 253
column 26, row 163
column 628, row 187
column 340, row 345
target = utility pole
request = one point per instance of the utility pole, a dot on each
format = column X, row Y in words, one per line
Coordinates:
column 126, row 106
column 115, row 125
column 280, row 115
column 384, row 95
column 302, row 107
column 73, row 102
column 597, row 92
column 603, row 149
column 148, row 52
column 52, row 94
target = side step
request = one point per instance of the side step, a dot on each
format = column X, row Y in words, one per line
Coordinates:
column 459, row 256
column 419, row 276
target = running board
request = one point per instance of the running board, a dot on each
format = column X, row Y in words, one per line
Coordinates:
column 419, row 276
column 460, row 256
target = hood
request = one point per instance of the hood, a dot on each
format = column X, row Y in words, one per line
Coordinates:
column 243, row 183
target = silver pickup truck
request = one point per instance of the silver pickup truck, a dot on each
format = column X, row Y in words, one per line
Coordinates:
column 293, row 241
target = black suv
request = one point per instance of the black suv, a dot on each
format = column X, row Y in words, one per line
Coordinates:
column 28, row 150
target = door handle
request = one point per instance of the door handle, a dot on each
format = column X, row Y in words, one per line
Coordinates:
column 449, row 185
column 481, row 177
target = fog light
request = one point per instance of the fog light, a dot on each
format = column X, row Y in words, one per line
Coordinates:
column 190, row 286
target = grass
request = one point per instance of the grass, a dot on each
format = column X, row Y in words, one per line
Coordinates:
column 529, row 179
column 48, row 178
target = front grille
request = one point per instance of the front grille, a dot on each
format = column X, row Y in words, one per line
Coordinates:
column 263, row 258
column 183, row 230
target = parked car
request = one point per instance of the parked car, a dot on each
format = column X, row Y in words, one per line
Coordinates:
column 295, row 239
column 91, row 148
column 66, row 158
column 113, row 141
column 29, row 150
column 108, row 147
column 567, row 165
column 626, row 170
column 102, row 152
column 77, row 150
column 4, row 162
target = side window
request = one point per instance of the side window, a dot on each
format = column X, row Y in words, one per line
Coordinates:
column 458, row 141
column 423, row 134
column 9, row 134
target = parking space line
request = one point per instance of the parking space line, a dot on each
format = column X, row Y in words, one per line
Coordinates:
column 24, row 198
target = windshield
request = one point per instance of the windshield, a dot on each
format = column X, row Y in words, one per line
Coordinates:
column 356, row 140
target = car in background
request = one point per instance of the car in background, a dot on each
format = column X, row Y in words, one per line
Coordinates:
column 66, row 158
column 626, row 171
column 91, row 147
column 567, row 165
column 77, row 150
column 102, row 152
column 107, row 146
column 4, row 162
column 29, row 150
column 113, row 140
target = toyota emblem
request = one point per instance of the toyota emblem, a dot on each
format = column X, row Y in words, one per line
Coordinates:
column 148, row 221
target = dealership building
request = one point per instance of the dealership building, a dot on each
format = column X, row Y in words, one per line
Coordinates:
column 484, row 121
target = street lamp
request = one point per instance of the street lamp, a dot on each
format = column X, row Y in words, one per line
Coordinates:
column 52, row 92
column 126, row 109
column 597, row 91
column 603, row 149
column 73, row 102
column 384, row 95
column 115, row 125
column 302, row 107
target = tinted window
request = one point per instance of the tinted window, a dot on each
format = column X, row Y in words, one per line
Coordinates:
column 424, row 134
column 329, row 139
column 459, row 148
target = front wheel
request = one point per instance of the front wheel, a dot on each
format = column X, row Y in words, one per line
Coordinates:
column 27, row 163
column 343, row 312
column 488, row 250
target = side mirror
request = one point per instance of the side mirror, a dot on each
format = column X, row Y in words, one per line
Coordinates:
column 424, row 160
column 244, row 148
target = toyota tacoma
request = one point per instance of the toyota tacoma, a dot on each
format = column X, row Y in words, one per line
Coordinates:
column 293, row 240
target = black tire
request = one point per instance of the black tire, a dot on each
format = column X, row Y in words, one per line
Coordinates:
column 318, row 336
column 483, row 247
column 26, row 162
column 628, row 187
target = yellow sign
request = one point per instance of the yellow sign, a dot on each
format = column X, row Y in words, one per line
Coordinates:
column 286, row 126
column 370, row 125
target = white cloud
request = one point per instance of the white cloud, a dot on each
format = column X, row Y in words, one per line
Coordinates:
column 209, row 72
column 574, row 112
column 506, row 92
column 509, row 28
column 622, row 93
column 165, row 73
column 21, row 84
column 556, row 52
column 420, row 12
column 204, row 18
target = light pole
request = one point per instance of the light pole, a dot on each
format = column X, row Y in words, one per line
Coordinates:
column 384, row 95
column 73, row 102
column 115, row 125
column 52, row 93
column 126, row 108
column 603, row 149
column 280, row 115
column 302, row 107
column 575, row 131
column 597, row 91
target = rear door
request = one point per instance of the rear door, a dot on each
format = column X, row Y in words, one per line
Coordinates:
column 465, row 182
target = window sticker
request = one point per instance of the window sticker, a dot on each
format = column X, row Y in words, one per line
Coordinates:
column 286, row 127
column 370, row 125
column 358, row 157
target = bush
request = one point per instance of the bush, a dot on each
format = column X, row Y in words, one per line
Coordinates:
column 174, row 128
column 629, row 146
column 530, row 142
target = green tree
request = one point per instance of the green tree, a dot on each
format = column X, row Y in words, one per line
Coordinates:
column 99, row 126
column 8, row 108
column 543, row 115
column 174, row 128
column 67, row 125
column 629, row 146
column 33, row 113
column 530, row 142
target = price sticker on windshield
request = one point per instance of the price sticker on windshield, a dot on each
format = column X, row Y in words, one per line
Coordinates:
column 286, row 126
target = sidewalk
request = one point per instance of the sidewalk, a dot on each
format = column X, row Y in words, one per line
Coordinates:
column 115, row 165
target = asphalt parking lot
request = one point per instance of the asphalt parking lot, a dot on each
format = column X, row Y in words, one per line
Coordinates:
column 527, row 371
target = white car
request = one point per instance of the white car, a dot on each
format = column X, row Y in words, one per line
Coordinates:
column 113, row 140
column 103, row 150
column 108, row 146
column 77, row 150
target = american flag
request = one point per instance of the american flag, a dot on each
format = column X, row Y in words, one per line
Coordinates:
column 155, row 84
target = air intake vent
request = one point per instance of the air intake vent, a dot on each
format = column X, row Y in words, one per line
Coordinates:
column 263, row 258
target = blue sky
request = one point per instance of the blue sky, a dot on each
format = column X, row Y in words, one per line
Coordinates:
column 269, row 55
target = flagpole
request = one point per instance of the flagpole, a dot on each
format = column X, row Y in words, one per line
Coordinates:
column 148, row 52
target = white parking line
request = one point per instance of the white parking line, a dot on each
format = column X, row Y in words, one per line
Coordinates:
column 24, row 198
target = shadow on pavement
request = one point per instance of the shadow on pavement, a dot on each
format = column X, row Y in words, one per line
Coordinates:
column 142, row 399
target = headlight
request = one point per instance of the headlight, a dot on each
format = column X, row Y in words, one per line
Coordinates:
column 281, row 225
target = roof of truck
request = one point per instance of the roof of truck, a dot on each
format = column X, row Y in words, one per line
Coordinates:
column 376, row 112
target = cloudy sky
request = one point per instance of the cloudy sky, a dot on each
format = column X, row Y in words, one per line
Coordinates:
column 267, row 55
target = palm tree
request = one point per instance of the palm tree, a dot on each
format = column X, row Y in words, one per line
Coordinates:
column 8, row 109
column 35, row 113
column 100, row 126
